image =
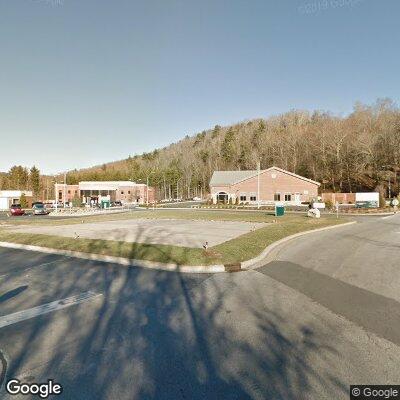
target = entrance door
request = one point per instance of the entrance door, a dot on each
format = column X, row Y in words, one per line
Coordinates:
column 297, row 198
column 222, row 197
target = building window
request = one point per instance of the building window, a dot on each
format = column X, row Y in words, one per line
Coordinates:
column 253, row 198
column 122, row 192
column 129, row 192
column 59, row 195
column 277, row 197
column 69, row 192
column 288, row 197
column 243, row 197
column 76, row 192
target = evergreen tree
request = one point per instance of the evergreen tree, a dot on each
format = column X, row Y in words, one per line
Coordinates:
column 23, row 201
column 34, row 180
column 227, row 147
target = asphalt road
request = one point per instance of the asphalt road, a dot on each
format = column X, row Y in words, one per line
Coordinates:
column 324, row 315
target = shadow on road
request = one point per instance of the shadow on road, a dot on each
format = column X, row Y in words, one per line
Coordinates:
column 12, row 293
column 163, row 335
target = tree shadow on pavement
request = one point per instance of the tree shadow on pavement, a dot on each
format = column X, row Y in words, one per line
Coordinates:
column 162, row 335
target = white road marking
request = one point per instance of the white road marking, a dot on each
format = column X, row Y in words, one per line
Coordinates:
column 19, row 316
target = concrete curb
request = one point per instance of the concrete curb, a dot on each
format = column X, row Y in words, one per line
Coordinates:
column 250, row 264
column 366, row 214
column 194, row 269
column 119, row 260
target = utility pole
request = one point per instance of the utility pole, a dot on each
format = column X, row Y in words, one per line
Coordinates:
column 65, row 187
column 56, row 195
column 258, row 184
column 147, row 192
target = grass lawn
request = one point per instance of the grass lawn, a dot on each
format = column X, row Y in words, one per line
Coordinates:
column 191, row 214
column 239, row 249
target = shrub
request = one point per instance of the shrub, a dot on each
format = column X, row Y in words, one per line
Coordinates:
column 76, row 201
column 23, row 201
column 329, row 204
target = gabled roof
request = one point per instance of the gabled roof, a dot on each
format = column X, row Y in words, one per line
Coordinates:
column 227, row 178
column 230, row 177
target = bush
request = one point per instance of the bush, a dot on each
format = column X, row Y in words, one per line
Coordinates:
column 23, row 201
column 76, row 201
column 329, row 204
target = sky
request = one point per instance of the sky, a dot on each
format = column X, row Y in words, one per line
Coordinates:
column 83, row 82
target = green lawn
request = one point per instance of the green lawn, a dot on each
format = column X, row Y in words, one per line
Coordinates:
column 239, row 249
column 193, row 214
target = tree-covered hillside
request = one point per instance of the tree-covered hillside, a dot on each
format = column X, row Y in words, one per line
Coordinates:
column 358, row 152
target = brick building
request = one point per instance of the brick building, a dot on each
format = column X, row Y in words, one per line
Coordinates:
column 270, row 185
column 94, row 191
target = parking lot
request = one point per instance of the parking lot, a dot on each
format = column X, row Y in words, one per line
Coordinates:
column 187, row 233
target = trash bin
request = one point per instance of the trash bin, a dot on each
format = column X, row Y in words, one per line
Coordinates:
column 105, row 203
column 279, row 211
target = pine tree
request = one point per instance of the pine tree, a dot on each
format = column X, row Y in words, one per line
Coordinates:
column 23, row 201
column 34, row 180
column 227, row 148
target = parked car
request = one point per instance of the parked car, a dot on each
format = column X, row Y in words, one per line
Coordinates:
column 38, row 208
column 116, row 204
column 16, row 210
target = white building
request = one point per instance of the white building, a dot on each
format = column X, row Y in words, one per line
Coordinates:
column 9, row 197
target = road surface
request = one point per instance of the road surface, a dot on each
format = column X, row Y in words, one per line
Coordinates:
column 324, row 315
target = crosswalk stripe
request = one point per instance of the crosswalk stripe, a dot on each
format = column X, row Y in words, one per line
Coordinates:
column 19, row 316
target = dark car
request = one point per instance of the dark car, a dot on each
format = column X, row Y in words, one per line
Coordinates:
column 16, row 210
column 38, row 208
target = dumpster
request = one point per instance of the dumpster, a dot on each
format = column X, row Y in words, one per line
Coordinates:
column 105, row 204
column 279, row 211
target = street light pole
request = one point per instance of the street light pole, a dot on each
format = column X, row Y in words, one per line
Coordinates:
column 65, row 187
column 258, row 184
column 147, row 191
column 56, row 195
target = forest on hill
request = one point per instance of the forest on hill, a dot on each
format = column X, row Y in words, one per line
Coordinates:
column 359, row 151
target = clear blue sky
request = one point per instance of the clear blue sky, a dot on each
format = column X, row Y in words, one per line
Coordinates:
column 84, row 82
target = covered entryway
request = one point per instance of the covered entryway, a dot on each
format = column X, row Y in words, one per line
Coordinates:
column 222, row 197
